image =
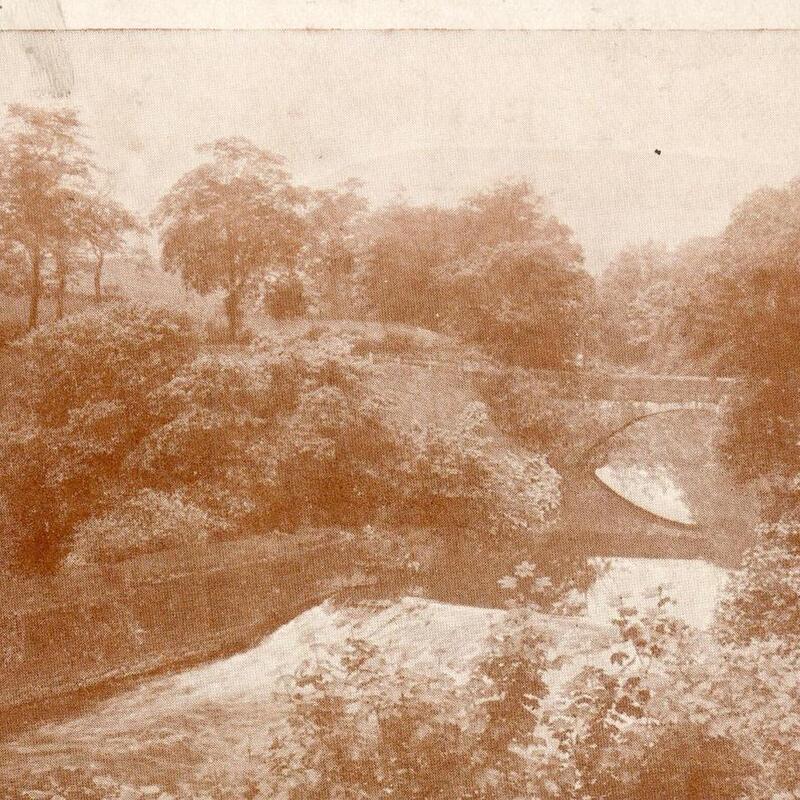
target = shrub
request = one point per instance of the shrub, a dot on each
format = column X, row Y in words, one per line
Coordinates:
column 763, row 597
column 522, row 406
column 10, row 331
column 148, row 521
column 336, row 461
column 687, row 761
column 83, row 408
column 283, row 436
column 453, row 480
column 285, row 297
column 114, row 352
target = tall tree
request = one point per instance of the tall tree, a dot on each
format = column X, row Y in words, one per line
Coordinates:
column 518, row 287
column 44, row 164
column 227, row 222
column 404, row 252
column 104, row 225
column 749, row 307
column 524, row 302
column 631, row 290
column 510, row 211
column 329, row 252
column 746, row 312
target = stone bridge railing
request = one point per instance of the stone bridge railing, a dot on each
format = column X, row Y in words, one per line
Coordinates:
column 698, row 391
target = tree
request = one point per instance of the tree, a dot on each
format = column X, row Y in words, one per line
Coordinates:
column 625, row 288
column 51, row 207
column 745, row 314
column 227, row 222
column 508, row 212
column 44, row 164
column 523, row 302
column 104, row 223
column 404, row 253
column 748, row 309
column 82, row 409
column 329, row 253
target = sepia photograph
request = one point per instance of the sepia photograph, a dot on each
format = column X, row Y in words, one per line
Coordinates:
column 399, row 414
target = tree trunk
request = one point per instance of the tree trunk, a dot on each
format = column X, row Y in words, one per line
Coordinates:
column 233, row 310
column 98, row 272
column 36, row 288
column 334, row 298
column 61, row 286
column 60, row 292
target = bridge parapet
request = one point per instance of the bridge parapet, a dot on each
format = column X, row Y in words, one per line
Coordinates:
column 595, row 385
column 644, row 388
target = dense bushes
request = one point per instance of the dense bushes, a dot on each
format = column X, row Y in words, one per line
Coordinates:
column 285, row 297
column 148, row 521
column 763, row 430
column 764, row 596
column 128, row 441
column 454, row 479
column 523, row 406
column 83, row 405
column 546, row 414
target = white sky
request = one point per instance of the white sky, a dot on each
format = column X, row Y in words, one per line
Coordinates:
column 443, row 113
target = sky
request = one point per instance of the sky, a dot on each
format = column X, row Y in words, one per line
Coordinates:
column 438, row 115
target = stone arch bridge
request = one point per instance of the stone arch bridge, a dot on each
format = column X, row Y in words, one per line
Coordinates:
column 620, row 399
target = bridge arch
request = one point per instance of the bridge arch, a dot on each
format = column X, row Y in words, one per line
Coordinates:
column 642, row 411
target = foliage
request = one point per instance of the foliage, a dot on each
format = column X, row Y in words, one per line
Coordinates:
column 360, row 727
column 650, row 719
column 83, row 408
column 285, row 297
column 763, row 599
column 120, row 422
column 119, row 352
column 147, row 522
column 497, row 270
column 748, row 312
column 403, row 253
column 452, row 480
column 281, row 437
column 688, row 762
column 225, row 223
column 646, row 298
column 44, row 165
column 747, row 308
column 524, row 406
column 763, row 428
column 522, row 302
column 216, row 332
column 51, row 203
column 103, row 225
column 332, row 224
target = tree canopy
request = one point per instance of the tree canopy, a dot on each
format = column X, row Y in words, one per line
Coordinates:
column 749, row 307
column 51, row 205
column 229, row 220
